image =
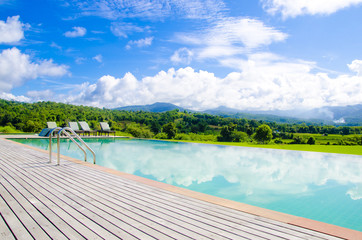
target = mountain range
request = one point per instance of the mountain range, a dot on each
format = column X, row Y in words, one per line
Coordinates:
column 345, row 115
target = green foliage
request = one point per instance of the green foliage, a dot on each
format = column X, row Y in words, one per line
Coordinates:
column 238, row 136
column 311, row 141
column 299, row 140
column 169, row 129
column 263, row 134
column 226, row 134
column 8, row 129
column 136, row 130
column 161, row 135
column 32, row 117
column 196, row 137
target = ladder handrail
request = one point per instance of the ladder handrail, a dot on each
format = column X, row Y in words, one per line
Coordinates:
column 50, row 141
column 80, row 139
column 58, row 131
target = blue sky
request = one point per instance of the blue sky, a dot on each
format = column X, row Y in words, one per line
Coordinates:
column 199, row 54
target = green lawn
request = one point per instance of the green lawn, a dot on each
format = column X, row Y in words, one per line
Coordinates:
column 343, row 149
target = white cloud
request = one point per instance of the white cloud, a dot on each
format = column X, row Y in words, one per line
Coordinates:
column 80, row 60
column 11, row 97
column 123, row 29
column 151, row 9
column 11, row 31
column 77, row 32
column 356, row 66
column 182, row 55
column 292, row 8
column 16, row 68
column 265, row 82
column 230, row 37
column 40, row 95
column 98, row 58
column 145, row 42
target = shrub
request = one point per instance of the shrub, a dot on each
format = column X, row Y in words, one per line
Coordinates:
column 311, row 141
column 298, row 140
column 239, row 136
column 8, row 129
column 161, row 135
column 182, row 136
column 137, row 131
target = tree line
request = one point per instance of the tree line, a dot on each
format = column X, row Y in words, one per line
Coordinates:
column 175, row 124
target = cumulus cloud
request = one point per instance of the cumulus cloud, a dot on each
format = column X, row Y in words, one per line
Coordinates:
column 230, row 37
column 145, row 42
column 77, row 32
column 292, row 8
column 182, row 55
column 16, row 68
column 151, row 9
column 11, row 97
column 12, row 30
column 356, row 66
column 274, row 83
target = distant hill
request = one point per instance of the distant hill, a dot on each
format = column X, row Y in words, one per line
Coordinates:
column 346, row 115
column 156, row 107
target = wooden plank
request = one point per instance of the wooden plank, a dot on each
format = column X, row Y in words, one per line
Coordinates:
column 36, row 213
column 5, row 231
column 31, row 226
column 56, row 184
column 48, row 209
column 89, row 227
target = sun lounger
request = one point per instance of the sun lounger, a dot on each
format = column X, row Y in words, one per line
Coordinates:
column 74, row 126
column 106, row 129
column 45, row 132
column 52, row 124
column 85, row 127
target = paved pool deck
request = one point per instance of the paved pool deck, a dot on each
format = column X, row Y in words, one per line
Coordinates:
column 79, row 200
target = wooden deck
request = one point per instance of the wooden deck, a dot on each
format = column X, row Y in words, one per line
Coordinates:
column 40, row 200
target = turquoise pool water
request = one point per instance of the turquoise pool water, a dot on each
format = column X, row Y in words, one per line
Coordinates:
column 319, row 186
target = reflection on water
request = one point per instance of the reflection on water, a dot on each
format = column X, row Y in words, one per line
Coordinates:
column 325, row 187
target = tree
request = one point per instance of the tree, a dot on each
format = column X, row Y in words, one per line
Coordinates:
column 226, row 134
column 311, row 141
column 239, row 136
column 169, row 129
column 263, row 134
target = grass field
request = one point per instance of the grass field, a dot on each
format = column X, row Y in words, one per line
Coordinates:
column 341, row 149
column 321, row 139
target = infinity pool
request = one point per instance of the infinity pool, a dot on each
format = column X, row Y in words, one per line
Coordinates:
column 319, row 186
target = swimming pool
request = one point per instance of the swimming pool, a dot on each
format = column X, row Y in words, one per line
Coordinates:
column 319, row 186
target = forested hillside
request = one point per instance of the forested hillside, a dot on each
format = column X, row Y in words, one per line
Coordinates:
column 32, row 117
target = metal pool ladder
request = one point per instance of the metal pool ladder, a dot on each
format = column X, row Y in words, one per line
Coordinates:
column 58, row 131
